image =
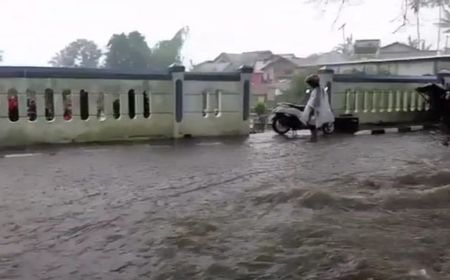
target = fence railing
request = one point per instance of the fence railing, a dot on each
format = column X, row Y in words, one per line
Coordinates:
column 375, row 99
column 383, row 101
column 48, row 105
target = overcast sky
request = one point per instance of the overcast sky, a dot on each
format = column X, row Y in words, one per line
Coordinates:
column 31, row 31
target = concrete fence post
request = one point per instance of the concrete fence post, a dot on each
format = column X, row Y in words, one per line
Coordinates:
column 177, row 72
column 326, row 81
column 246, row 74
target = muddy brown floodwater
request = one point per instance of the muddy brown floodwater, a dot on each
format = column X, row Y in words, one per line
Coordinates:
column 346, row 208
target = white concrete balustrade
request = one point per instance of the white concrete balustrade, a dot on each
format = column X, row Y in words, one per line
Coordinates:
column 383, row 101
column 99, row 106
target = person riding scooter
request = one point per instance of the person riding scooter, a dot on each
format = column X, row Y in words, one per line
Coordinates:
column 317, row 111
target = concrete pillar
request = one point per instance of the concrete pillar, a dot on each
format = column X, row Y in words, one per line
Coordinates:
column 326, row 81
column 246, row 74
column 177, row 72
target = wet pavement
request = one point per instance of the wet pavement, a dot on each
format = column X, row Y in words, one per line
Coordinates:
column 266, row 207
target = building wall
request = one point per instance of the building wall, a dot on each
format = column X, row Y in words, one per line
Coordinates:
column 388, row 68
column 280, row 69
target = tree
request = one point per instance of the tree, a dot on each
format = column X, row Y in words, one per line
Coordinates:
column 132, row 53
column 167, row 52
column 415, row 6
column 80, row 53
column 297, row 88
column 445, row 21
column 128, row 52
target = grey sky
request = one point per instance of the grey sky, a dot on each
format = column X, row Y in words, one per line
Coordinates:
column 31, row 31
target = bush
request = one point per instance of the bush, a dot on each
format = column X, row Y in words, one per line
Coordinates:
column 260, row 109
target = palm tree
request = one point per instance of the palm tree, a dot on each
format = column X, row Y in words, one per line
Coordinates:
column 415, row 5
column 444, row 23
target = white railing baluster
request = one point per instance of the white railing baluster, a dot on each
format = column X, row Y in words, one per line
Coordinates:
column 374, row 101
column 347, row 102
column 405, row 101
column 382, row 102
column 366, row 101
column 390, row 101
column 413, row 102
column 398, row 102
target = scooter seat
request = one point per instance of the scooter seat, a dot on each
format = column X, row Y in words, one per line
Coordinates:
column 299, row 107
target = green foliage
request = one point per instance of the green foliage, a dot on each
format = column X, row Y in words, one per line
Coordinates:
column 80, row 53
column 128, row 52
column 167, row 52
column 297, row 89
column 132, row 53
column 260, row 108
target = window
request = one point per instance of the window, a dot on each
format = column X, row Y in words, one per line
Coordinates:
column 49, row 105
column 116, row 106
column 101, row 106
column 67, row 104
column 13, row 105
column 218, row 105
column 205, row 104
column 31, row 105
column 84, row 105
column 131, row 104
column 146, row 104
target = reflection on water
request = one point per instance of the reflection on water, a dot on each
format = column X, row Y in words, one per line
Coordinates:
column 264, row 208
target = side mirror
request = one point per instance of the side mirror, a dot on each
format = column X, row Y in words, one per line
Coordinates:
column 308, row 91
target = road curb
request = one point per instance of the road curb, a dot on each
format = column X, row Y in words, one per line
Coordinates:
column 392, row 130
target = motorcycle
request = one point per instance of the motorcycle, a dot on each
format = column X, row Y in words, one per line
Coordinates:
column 287, row 116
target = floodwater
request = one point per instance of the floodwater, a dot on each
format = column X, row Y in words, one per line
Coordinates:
column 266, row 207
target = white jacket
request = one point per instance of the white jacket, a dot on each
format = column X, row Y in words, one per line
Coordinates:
column 320, row 102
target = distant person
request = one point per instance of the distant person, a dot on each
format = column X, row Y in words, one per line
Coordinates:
column 317, row 111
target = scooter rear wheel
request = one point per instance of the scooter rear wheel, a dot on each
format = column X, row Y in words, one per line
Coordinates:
column 278, row 127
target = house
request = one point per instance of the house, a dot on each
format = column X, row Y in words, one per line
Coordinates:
column 269, row 70
column 368, row 57
column 401, row 50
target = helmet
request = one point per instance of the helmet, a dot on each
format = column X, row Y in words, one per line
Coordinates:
column 313, row 80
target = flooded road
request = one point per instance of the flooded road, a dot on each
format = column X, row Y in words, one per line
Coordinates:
column 347, row 208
